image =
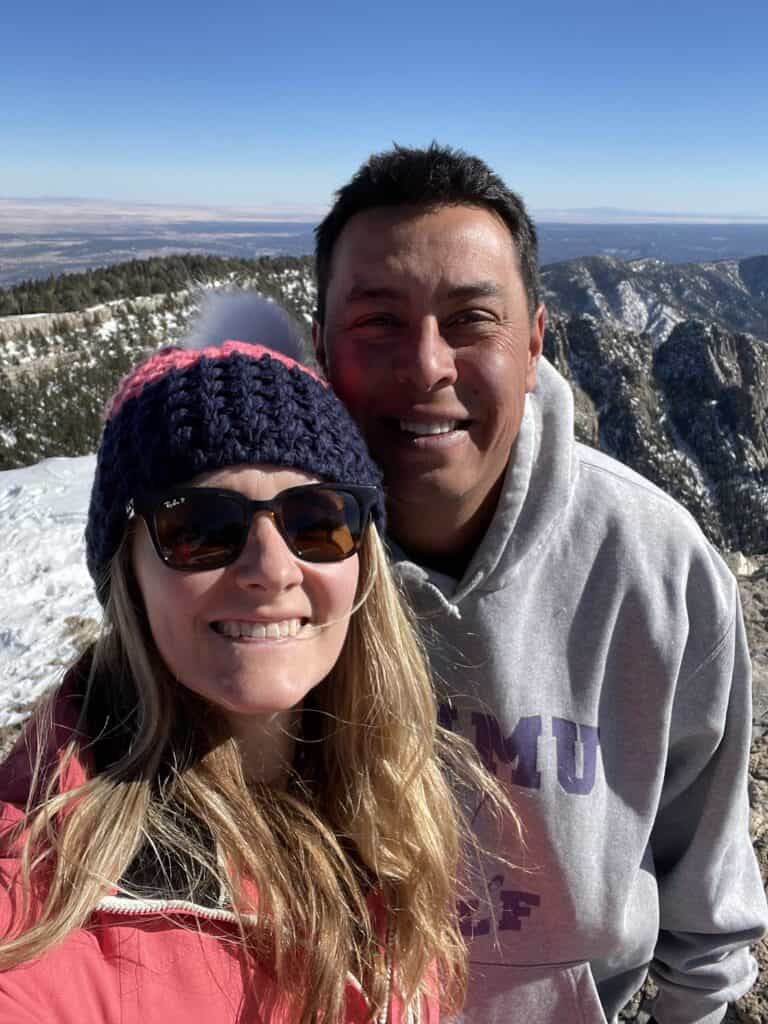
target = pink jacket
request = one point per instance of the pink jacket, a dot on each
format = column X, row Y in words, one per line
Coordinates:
column 140, row 962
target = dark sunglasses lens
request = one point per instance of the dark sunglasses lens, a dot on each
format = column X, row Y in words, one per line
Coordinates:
column 322, row 525
column 199, row 531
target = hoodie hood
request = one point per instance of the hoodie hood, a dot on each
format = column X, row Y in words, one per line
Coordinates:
column 538, row 481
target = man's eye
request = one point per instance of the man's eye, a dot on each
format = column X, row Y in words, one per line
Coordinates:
column 470, row 316
column 377, row 320
column 376, row 325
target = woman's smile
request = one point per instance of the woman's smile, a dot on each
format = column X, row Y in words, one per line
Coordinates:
column 284, row 629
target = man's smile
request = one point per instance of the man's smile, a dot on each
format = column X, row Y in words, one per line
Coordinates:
column 425, row 434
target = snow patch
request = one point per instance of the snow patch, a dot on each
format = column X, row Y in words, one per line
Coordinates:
column 47, row 595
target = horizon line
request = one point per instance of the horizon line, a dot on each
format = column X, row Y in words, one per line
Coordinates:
column 311, row 213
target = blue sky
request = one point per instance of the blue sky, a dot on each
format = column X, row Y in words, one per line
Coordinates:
column 652, row 106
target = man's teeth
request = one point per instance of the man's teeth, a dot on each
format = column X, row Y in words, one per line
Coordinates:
column 428, row 428
column 259, row 630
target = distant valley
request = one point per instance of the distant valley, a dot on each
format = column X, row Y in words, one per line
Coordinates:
column 30, row 250
column 33, row 256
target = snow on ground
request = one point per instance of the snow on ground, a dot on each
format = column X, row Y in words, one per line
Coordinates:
column 45, row 589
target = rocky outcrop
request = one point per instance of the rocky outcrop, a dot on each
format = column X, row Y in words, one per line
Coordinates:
column 53, row 323
column 627, row 408
column 690, row 415
column 715, row 384
column 753, row 588
column 652, row 296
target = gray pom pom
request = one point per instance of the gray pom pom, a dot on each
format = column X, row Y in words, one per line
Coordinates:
column 234, row 315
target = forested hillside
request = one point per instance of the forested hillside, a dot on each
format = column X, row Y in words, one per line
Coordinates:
column 61, row 358
column 68, row 293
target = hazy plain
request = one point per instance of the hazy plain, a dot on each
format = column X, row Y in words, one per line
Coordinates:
column 40, row 237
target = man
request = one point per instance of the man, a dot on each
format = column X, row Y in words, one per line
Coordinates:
column 588, row 638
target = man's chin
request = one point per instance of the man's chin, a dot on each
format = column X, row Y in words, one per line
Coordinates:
column 446, row 496
column 433, row 492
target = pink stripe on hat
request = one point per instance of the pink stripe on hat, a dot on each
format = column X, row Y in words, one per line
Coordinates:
column 167, row 359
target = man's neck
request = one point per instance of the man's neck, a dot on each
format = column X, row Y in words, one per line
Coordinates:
column 440, row 537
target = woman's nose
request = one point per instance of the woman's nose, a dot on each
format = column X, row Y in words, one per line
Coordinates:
column 266, row 561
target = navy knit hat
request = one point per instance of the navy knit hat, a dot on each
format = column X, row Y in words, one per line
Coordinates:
column 183, row 412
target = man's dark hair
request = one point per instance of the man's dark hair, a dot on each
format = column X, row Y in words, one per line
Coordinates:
column 427, row 178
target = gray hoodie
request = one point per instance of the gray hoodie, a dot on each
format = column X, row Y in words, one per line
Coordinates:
column 594, row 653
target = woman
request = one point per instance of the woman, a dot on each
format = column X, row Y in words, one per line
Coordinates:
column 234, row 807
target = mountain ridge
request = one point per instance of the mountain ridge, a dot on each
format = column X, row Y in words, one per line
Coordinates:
column 652, row 296
column 685, row 406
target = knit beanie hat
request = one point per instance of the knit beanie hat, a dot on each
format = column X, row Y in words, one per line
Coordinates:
column 183, row 412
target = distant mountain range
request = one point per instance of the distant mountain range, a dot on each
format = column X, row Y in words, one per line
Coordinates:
column 668, row 364
column 651, row 296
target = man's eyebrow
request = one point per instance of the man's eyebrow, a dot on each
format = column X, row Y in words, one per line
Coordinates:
column 363, row 292
column 474, row 290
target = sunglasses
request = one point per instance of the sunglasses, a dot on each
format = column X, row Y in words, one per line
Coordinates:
column 195, row 529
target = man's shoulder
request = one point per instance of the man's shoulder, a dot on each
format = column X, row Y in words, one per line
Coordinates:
column 623, row 493
column 653, row 534
column 605, row 471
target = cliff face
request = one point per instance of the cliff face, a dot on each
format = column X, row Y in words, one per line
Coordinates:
column 690, row 415
column 653, row 297
column 716, row 388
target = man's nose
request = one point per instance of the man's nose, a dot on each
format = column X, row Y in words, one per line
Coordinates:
column 266, row 561
column 425, row 359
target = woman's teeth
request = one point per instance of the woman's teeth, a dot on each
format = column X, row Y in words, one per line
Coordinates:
column 259, row 630
column 428, row 428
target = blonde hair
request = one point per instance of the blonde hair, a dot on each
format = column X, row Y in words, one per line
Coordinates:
column 368, row 807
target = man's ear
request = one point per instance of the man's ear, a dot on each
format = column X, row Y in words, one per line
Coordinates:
column 319, row 346
column 535, row 345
